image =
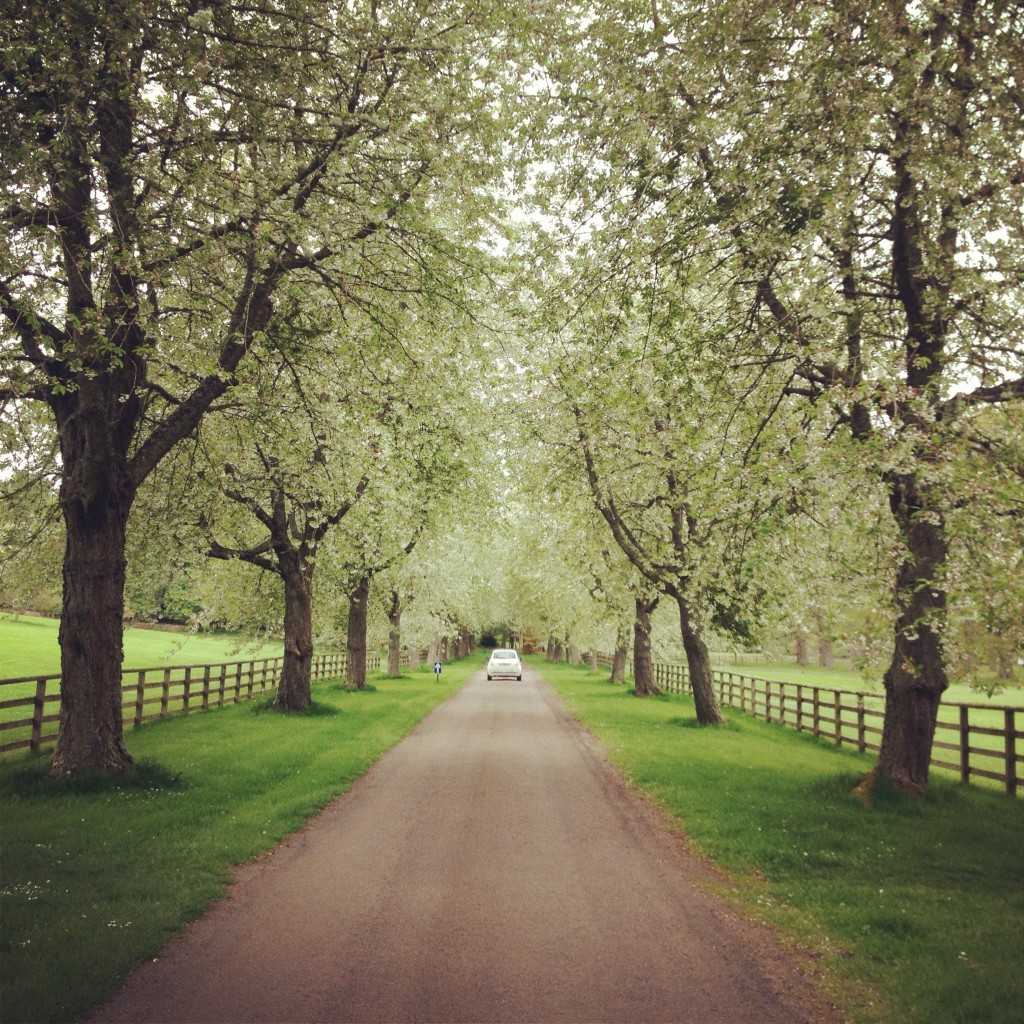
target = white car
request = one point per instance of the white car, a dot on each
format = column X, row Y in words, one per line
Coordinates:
column 504, row 662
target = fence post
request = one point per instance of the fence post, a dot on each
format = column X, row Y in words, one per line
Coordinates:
column 140, row 696
column 839, row 718
column 1010, row 731
column 223, row 683
column 206, row 687
column 165, row 695
column 186, row 690
column 238, row 681
column 37, row 714
column 965, row 745
column 767, row 700
column 799, row 707
column 861, row 745
column 816, row 711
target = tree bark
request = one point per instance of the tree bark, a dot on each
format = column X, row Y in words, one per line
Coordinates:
column 395, row 636
column 355, row 665
column 801, row 649
column 916, row 677
column 1004, row 664
column 91, row 725
column 621, row 656
column 826, row 657
column 294, row 692
column 643, row 665
column 702, row 682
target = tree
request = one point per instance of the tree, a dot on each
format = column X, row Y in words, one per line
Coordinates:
column 296, row 526
column 643, row 665
column 688, row 461
column 175, row 181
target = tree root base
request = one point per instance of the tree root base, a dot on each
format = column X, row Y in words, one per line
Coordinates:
column 874, row 781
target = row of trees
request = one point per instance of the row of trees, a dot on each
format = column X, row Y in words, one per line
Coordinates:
column 234, row 226
column 784, row 282
column 749, row 336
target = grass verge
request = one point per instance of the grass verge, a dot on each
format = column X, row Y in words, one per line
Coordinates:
column 911, row 910
column 98, row 872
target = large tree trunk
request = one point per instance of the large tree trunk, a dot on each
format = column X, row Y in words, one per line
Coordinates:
column 620, row 657
column 702, row 681
column 294, row 690
column 643, row 664
column 916, row 677
column 826, row 656
column 395, row 635
column 91, row 731
column 801, row 649
column 355, row 665
column 1006, row 666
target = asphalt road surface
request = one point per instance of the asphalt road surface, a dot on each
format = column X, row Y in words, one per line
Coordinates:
column 491, row 867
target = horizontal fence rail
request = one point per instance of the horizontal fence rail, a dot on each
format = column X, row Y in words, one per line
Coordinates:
column 973, row 740
column 148, row 693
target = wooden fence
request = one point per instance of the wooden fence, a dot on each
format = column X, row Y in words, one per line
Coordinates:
column 149, row 693
column 973, row 740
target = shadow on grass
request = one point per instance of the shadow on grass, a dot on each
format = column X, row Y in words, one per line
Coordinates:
column 316, row 708
column 690, row 722
column 36, row 782
column 684, row 723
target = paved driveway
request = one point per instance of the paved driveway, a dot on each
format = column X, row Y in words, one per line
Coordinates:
column 492, row 867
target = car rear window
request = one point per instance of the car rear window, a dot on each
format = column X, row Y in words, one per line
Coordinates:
column 504, row 654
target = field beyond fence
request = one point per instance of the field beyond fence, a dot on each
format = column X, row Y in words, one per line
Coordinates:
column 975, row 741
column 149, row 693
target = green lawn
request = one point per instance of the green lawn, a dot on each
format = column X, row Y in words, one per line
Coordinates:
column 98, row 873
column 912, row 910
column 28, row 646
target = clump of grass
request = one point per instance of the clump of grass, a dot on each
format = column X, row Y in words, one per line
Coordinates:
column 99, row 871
column 914, row 907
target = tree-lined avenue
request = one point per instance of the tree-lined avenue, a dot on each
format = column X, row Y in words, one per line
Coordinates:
column 493, row 866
